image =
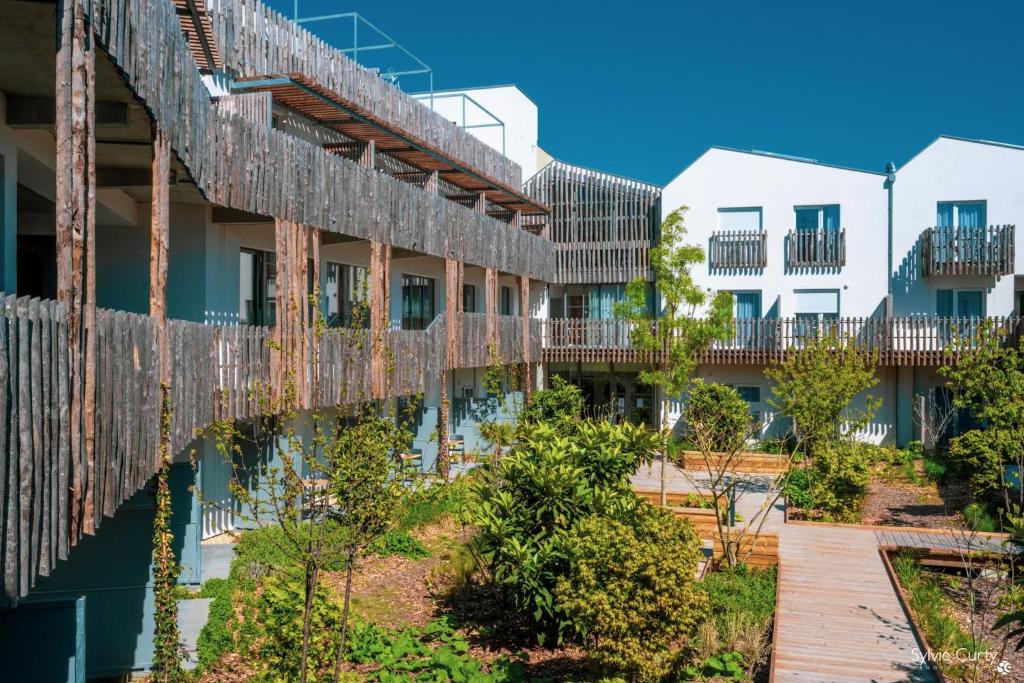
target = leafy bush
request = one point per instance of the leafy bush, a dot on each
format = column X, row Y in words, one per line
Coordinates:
column 630, row 589
column 264, row 551
column 978, row 518
column 216, row 638
column 538, row 493
column 398, row 542
column 435, row 652
column 280, row 616
column 834, row 482
column 742, row 605
column 717, row 418
column 432, row 503
column 979, row 455
column 561, row 403
column 727, row 666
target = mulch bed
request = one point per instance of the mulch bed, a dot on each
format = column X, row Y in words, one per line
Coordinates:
column 901, row 504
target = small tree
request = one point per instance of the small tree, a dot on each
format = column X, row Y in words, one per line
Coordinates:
column 674, row 336
column 989, row 382
column 719, row 424
column 816, row 383
column 559, row 404
column 366, row 493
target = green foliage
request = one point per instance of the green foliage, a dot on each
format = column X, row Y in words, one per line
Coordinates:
column 166, row 665
column 798, row 489
column 280, row 616
column 740, row 590
column 398, row 542
column 266, row 550
column 538, row 493
column 690, row 319
column 217, row 636
column 433, row 653
column 989, row 382
column 630, row 589
column 717, row 418
column 979, row 456
column 815, row 385
column 727, row 666
column 432, row 503
column 933, row 609
column 560, row 403
column 839, row 475
column 978, row 518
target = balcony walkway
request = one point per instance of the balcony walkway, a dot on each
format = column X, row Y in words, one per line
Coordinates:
column 839, row 618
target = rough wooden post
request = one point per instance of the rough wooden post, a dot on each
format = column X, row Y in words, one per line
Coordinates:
column 314, row 323
column 491, row 306
column 75, row 228
column 524, row 316
column 379, row 300
column 453, row 316
column 158, row 248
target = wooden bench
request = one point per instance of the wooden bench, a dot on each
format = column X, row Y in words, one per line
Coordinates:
column 745, row 462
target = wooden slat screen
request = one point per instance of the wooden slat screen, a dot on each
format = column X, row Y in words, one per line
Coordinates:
column 981, row 250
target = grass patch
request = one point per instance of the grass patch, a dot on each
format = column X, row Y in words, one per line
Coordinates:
column 432, row 503
column 399, row 542
column 933, row 610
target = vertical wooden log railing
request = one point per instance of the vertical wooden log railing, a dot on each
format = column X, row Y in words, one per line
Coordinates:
column 968, row 250
column 379, row 302
column 75, row 219
column 738, row 249
column 816, row 249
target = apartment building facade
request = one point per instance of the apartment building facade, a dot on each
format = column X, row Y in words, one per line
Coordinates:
column 173, row 191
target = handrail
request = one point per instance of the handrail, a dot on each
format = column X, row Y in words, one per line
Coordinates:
column 975, row 250
column 824, row 248
column 738, row 249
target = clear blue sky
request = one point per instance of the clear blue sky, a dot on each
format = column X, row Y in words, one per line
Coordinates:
column 641, row 88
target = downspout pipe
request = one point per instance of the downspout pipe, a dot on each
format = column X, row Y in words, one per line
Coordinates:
column 890, row 181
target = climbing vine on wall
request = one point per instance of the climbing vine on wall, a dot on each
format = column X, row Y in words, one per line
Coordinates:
column 166, row 650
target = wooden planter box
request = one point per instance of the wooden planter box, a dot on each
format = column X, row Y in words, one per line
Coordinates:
column 745, row 462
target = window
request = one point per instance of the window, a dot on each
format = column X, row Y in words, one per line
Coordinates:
column 257, row 287
column 815, row 218
column 960, row 215
column 815, row 311
column 746, row 219
column 747, row 310
column 417, row 302
column 959, row 303
column 506, row 301
column 345, row 296
column 469, row 298
column 752, row 396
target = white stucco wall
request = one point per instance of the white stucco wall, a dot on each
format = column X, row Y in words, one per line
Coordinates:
column 952, row 169
column 724, row 179
column 508, row 103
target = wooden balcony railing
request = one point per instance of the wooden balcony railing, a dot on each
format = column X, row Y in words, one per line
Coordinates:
column 981, row 250
column 898, row 341
column 817, row 249
column 738, row 249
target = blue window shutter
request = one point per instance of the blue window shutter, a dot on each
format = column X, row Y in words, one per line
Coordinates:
column 944, row 215
column 971, row 215
column 830, row 219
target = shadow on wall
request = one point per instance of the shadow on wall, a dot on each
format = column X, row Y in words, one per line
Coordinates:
column 112, row 571
column 908, row 284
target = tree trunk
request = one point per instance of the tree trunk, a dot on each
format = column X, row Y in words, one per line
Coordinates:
column 311, row 578
column 344, row 621
column 664, row 448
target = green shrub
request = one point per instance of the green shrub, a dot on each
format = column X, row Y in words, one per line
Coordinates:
column 630, row 590
column 978, row 518
column 798, row 489
column 538, row 493
column 741, row 591
column 561, row 403
column 727, row 666
column 432, row 503
column 398, row 542
column 979, row 455
column 717, row 418
column 216, row 638
column 280, row 612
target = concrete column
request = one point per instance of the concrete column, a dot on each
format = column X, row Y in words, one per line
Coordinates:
column 904, row 405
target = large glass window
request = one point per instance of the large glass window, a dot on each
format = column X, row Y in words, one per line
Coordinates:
column 345, row 296
column 257, row 286
column 417, row 302
column 814, row 218
column 745, row 219
column 815, row 311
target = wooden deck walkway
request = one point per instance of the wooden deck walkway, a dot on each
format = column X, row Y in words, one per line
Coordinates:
column 839, row 618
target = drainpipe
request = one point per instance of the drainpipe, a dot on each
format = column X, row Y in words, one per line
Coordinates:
column 890, row 181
